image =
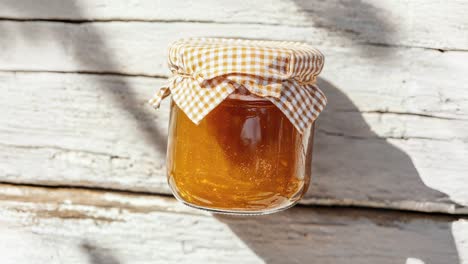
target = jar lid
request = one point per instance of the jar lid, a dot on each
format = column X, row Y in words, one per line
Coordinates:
column 207, row 70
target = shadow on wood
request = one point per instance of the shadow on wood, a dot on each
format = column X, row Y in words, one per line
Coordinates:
column 351, row 160
column 98, row 255
column 349, row 157
column 320, row 235
column 127, row 100
column 353, row 20
column 357, row 161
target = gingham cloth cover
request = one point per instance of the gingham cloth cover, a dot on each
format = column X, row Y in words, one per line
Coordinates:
column 207, row 70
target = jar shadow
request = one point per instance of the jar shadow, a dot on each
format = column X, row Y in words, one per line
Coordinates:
column 350, row 160
column 353, row 162
column 345, row 235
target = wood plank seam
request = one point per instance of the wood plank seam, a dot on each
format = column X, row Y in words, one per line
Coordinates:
column 342, row 134
column 177, row 21
column 136, row 20
column 88, row 188
column 99, row 73
column 161, row 76
column 140, row 194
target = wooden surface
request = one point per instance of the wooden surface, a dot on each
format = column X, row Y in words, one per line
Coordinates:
column 82, row 226
column 393, row 137
column 75, row 77
column 407, row 23
column 110, row 138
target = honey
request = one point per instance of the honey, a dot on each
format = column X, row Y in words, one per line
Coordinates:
column 244, row 156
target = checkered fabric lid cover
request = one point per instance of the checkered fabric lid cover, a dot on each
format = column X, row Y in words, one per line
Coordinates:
column 207, row 70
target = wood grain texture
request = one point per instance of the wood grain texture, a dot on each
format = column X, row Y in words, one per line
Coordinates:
column 75, row 77
column 141, row 47
column 408, row 23
column 405, row 80
column 393, row 135
column 82, row 226
column 98, row 131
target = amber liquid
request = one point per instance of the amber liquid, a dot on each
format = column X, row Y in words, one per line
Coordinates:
column 244, row 156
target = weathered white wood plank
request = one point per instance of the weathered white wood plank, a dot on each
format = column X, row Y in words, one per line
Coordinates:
column 80, row 226
column 108, row 139
column 92, row 130
column 82, row 129
column 426, row 81
column 140, row 47
column 134, row 48
column 431, row 24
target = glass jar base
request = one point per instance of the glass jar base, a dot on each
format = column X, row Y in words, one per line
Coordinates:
column 241, row 212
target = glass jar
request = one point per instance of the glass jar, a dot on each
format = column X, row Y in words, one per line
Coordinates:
column 242, row 123
column 244, row 157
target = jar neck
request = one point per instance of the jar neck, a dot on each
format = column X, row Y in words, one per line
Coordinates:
column 244, row 95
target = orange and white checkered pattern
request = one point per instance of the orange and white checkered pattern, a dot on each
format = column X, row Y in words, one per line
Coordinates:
column 207, row 70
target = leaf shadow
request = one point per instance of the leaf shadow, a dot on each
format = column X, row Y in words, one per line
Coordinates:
column 340, row 160
column 125, row 95
column 98, row 255
column 358, row 22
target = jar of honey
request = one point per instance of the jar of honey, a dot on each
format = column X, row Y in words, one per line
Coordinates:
column 242, row 123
